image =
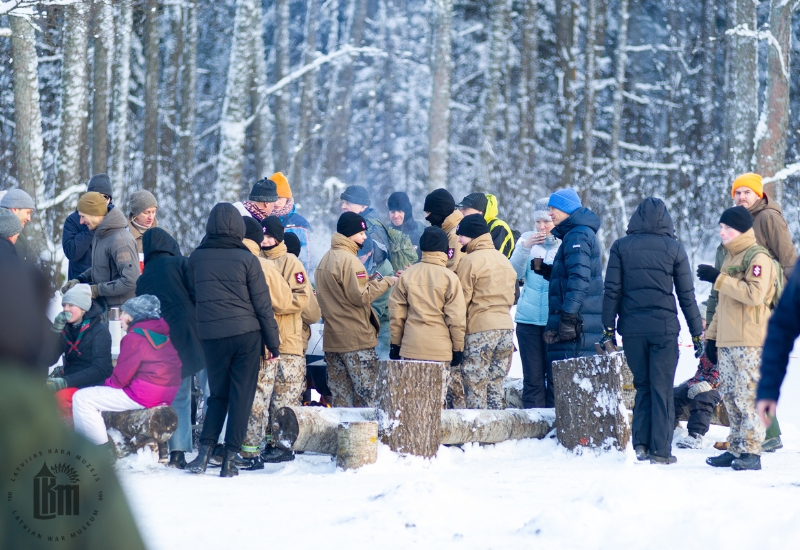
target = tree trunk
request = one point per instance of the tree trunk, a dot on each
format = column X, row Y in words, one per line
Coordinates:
column 409, row 406
column 103, row 63
column 184, row 198
column 619, row 216
column 357, row 444
column 772, row 127
column 122, row 76
column 589, row 91
column 743, row 82
column 589, row 405
column 528, row 88
column 262, row 116
column 282, row 97
column 565, row 36
column 308, row 111
column 169, row 102
column 140, row 427
column 439, row 116
column 498, row 15
column 151, row 99
column 485, row 426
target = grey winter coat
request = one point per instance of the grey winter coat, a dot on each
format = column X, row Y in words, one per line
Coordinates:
column 115, row 261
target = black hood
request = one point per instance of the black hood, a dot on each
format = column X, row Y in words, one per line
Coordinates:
column 225, row 220
column 156, row 241
column 94, row 311
column 582, row 216
column 652, row 216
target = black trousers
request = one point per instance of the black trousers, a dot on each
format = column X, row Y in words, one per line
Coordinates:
column 653, row 360
column 537, row 371
column 700, row 408
column 232, row 365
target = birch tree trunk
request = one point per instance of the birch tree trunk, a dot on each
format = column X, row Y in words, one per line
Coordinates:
column 357, row 444
column 151, row 99
column 439, row 117
column 184, row 199
column 262, row 116
column 743, row 82
column 498, row 15
column 565, row 35
column 528, row 87
column 308, row 109
column 282, row 97
column 770, row 140
column 74, row 107
column 619, row 216
column 169, row 102
column 122, row 75
column 589, row 91
column 103, row 64
column 706, row 127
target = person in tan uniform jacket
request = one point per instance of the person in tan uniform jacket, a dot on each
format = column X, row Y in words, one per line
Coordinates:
column 282, row 303
column 440, row 211
column 351, row 326
column 427, row 309
column 488, row 280
column 736, row 335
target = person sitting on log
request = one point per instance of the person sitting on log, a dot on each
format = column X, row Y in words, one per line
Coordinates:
column 147, row 374
column 85, row 345
column 427, row 308
column 489, row 282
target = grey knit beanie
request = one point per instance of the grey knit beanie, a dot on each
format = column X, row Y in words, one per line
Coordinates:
column 140, row 201
column 9, row 224
column 100, row 183
column 17, row 198
column 142, row 308
column 541, row 211
column 78, row 295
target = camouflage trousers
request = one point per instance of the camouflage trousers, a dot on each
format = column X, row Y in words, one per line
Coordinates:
column 739, row 373
column 352, row 378
column 290, row 382
column 259, row 412
column 486, row 363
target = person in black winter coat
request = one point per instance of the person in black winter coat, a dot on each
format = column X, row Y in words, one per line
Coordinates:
column 86, row 347
column 235, row 322
column 643, row 268
column 166, row 276
column 576, row 280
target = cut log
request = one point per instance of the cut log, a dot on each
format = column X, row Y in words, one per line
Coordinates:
column 132, row 430
column 314, row 429
column 491, row 426
column 589, row 407
column 512, row 388
column 410, row 405
column 357, row 444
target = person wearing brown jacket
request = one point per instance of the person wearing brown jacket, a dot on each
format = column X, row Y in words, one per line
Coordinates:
column 488, row 280
column 428, row 313
column 282, row 303
column 350, row 336
column 736, row 335
column 440, row 211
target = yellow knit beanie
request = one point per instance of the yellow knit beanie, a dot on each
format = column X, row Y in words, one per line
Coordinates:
column 753, row 181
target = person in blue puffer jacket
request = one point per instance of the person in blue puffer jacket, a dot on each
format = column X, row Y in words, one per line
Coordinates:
column 532, row 308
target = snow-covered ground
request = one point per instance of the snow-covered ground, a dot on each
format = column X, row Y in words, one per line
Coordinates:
column 516, row 494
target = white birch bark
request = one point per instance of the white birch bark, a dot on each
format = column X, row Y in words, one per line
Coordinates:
column 123, row 22
column 439, row 117
column 589, row 91
column 528, row 85
column 282, row 97
column 184, row 199
column 151, row 97
column 103, row 63
column 262, row 120
column 308, row 98
column 499, row 15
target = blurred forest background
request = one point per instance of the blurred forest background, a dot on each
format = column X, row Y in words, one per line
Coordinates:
column 194, row 100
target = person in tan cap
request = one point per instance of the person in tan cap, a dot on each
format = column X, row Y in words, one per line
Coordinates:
column 115, row 261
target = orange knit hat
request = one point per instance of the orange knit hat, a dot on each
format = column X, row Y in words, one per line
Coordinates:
column 283, row 185
column 753, row 181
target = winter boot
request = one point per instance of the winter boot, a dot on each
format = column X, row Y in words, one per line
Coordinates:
column 274, row 455
column 722, row 461
column 691, row 441
column 747, row 462
column 218, row 456
column 655, row 459
column 771, row 445
column 177, row 459
column 163, row 453
column 229, row 468
column 200, row 463
column 641, row 452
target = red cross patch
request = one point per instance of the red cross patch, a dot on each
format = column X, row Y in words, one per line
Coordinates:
column 299, row 277
column 450, row 253
column 756, row 271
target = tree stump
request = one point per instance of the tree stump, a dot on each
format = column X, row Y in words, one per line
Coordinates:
column 357, row 444
column 132, row 430
column 313, row 429
column 589, row 407
column 512, row 387
column 490, row 426
column 410, row 406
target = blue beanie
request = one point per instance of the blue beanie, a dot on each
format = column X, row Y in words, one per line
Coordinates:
column 566, row 200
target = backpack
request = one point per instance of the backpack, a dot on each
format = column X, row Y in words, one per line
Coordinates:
column 749, row 254
column 401, row 250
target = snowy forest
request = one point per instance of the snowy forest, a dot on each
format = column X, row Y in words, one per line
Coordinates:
column 195, row 100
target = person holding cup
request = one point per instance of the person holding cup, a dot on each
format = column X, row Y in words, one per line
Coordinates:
column 535, row 247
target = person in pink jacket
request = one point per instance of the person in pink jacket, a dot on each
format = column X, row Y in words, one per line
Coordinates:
column 147, row 374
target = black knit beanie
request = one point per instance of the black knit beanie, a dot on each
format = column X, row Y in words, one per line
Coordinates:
column 434, row 239
column 349, row 224
column 356, row 194
column 478, row 201
column 399, row 201
column 273, row 227
column 265, row 190
column 292, row 243
column 252, row 230
column 738, row 218
column 100, row 183
column 440, row 202
column 472, row 226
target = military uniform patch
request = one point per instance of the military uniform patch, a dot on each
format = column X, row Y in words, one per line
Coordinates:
column 450, row 253
column 756, row 271
column 299, row 277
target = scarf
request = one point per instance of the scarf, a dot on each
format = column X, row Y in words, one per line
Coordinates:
column 287, row 208
column 73, row 346
column 254, row 210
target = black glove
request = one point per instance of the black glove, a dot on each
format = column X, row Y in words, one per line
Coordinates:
column 394, row 352
column 698, row 346
column 275, row 353
column 707, row 273
column 568, row 327
column 544, row 269
column 458, row 357
column 711, row 351
column 608, row 342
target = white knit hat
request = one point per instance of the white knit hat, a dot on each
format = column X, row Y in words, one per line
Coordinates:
column 78, row 295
